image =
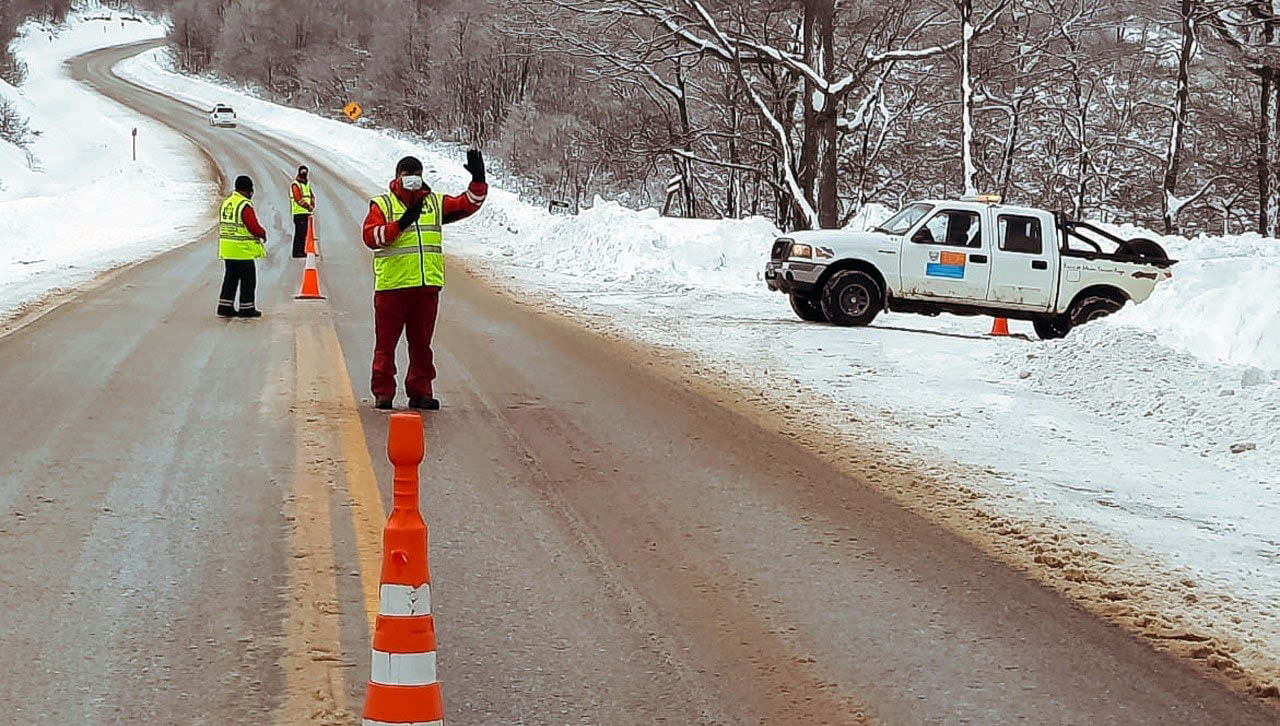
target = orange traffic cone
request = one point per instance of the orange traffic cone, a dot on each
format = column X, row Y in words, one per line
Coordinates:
column 1000, row 327
column 402, row 686
column 311, row 237
column 310, row 289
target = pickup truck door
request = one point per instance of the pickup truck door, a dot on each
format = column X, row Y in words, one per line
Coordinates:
column 1023, row 268
column 947, row 257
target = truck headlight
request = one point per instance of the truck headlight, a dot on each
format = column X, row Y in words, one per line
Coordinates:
column 799, row 250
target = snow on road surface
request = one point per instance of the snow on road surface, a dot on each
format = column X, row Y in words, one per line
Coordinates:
column 1131, row 465
column 79, row 205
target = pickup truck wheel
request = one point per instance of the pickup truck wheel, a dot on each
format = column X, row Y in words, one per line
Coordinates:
column 1052, row 328
column 851, row 297
column 807, row 308
column 1091, row 308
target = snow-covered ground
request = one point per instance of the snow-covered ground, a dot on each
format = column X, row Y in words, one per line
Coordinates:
column 1105, row 463
column 79, row 205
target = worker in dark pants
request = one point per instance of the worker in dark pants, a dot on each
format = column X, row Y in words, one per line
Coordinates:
column 303, row 203
column 241, row 240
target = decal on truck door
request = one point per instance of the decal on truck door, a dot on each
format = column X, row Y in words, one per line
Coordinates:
column 949, row 264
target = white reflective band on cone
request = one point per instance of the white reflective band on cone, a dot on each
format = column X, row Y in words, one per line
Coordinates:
column 404, row 600
column 311, row 261
column 403, row 669
column 371, row 722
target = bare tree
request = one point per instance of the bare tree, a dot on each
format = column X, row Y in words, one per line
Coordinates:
column 805, row 110
column 1251, row 29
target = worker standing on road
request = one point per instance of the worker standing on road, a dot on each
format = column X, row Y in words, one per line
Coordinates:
column 403, row 228
column 303, row 203
column 241, row 240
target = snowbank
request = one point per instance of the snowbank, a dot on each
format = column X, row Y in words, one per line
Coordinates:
column 1223, row 304
column 83, row 206
column 16, row 172
column 609, row 243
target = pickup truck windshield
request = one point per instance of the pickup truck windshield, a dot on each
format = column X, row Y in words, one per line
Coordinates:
column 904, row 220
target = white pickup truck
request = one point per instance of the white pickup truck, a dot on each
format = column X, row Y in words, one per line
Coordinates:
column 973, row 256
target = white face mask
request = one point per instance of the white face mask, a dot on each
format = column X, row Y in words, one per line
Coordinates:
column 412, row 183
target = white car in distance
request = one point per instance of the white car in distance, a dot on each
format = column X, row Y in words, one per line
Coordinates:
column 222, row 115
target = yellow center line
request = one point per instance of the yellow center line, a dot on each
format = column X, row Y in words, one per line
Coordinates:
column 312, row 658
column 332, row 466
column 367, row 513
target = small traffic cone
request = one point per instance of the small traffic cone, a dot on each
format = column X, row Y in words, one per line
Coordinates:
column 402, row 685
column 310, row 289
column 999, row 327
column 311, row 237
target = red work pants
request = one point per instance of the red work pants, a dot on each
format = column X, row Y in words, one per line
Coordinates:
column 413, row 310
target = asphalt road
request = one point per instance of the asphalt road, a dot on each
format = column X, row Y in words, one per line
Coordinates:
column 190, row 510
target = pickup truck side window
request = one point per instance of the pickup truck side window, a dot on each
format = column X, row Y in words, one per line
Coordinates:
column 1020, row 234
column 953, row 228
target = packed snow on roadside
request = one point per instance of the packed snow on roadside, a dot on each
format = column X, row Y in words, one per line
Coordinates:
column 1151, row 434
column 78, row 205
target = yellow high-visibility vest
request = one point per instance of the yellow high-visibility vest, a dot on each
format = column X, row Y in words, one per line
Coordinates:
column 306, row 194
column 234, row 240
column 416, row 257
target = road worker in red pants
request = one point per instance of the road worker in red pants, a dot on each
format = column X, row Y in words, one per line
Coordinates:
column 404, row 230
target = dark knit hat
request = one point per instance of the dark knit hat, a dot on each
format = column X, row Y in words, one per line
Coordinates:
column 408, row 165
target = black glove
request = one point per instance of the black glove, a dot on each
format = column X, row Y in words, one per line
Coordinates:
column 475, row 165
column 410, row 216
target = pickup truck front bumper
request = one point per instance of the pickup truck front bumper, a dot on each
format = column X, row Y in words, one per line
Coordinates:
column 788, row 276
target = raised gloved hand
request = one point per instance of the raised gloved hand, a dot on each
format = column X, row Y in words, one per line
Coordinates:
column 475, row 165
column 410, row 215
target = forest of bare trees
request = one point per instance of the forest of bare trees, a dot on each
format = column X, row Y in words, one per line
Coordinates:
column 1160, row 112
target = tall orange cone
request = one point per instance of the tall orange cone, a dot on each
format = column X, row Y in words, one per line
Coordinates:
column 402, row 686
column 999, row 327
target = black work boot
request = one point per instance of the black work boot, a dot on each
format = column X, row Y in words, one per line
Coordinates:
column 250, row 313
column 383, row 404
column 424, row 402
column 226, row 311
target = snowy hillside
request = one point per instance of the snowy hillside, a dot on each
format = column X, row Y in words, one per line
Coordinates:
column 62, row 218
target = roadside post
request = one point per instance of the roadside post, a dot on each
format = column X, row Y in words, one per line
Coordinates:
column 135, row 143
column 673, row 188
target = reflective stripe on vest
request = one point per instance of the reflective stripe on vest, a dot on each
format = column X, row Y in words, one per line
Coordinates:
column 235, row 242
column 416, row 257
column 306, row 194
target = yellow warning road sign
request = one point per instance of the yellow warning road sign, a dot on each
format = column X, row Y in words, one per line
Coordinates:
column 353, row 110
